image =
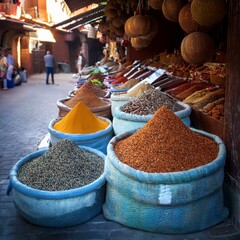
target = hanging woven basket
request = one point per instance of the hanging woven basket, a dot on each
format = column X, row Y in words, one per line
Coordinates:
column 187, row 23
column 197, row 48
column 209, row 12
column 116, row 22
column 110, row 11
column 141, row 42
column 155, row 4
column 171, row 9
column 137, row 25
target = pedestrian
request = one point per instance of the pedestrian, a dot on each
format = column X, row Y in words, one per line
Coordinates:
column 3, row 67
column 10, row 59
column 9, row 77
column 10, row 69
column 80, row 63
column 49, row 64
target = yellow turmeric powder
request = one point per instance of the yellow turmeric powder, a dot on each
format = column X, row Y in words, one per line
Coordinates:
column 80, row 120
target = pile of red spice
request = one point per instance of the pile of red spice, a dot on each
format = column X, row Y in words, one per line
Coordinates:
column 165, row 144
column 119, row 80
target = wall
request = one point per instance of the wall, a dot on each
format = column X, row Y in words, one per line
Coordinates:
column 26, row 58
column 42, row 10
column 74, row 47
column 95, row 51
column 60, row 48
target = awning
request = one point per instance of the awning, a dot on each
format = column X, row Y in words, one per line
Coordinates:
column 42, row 35
column 9, row 23
column 81, row 19
column 76, row 5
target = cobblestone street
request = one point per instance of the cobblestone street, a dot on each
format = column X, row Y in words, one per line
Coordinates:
column 25, row 112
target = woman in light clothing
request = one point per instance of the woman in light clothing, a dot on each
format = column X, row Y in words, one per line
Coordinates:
column 79, row 63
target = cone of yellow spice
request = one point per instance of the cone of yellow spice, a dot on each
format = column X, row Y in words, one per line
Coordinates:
column 80, row 120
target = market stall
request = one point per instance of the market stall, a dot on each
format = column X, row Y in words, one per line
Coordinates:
column 192, row 76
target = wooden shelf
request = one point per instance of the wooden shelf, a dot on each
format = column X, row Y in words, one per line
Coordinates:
column 206, row 123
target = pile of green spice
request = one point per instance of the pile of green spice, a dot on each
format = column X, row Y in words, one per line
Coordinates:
column 149, row 101
column 64, row 166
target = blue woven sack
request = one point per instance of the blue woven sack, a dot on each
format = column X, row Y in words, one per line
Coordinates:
column 118, row 101
column 57, row 208
column 124, row 122
column 171, row 203
column 98, row 140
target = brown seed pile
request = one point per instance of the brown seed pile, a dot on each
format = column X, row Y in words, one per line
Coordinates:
column 165, row 144
column 95, row 89
column 130, row 83
column 149, row 102
column 138, row 90
column 86, row 96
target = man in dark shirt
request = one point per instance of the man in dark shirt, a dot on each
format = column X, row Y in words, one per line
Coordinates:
column 49, row 64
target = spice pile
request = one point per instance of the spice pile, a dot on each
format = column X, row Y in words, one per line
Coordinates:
column 148, row 103
column 138, row 90
column 80, row 120
column 129, row 84
column 88, row 97
column 92, row 87
column 200, row 99
column 64, row 166
column 135, row 91
column 165, row 144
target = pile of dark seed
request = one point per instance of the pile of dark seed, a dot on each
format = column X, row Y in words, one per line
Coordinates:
column 64, row 166
column 149, row 102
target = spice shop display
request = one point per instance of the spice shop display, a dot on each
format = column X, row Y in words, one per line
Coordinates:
column 125, row 86
column 92, row 87
column 137, row 112
column 60, row 186
column 82, row 127
column 119, row 99
column 164, row 172
column 207, row 79
column 99, row 106
column 86, row 96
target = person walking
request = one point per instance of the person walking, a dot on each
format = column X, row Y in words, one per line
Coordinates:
column 10, row 58
column 10, row 69
column 79, row 63
column 49, row 64
column 3, row 67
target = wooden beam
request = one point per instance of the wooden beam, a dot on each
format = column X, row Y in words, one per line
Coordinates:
column 81, row 15
column 85, row 20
